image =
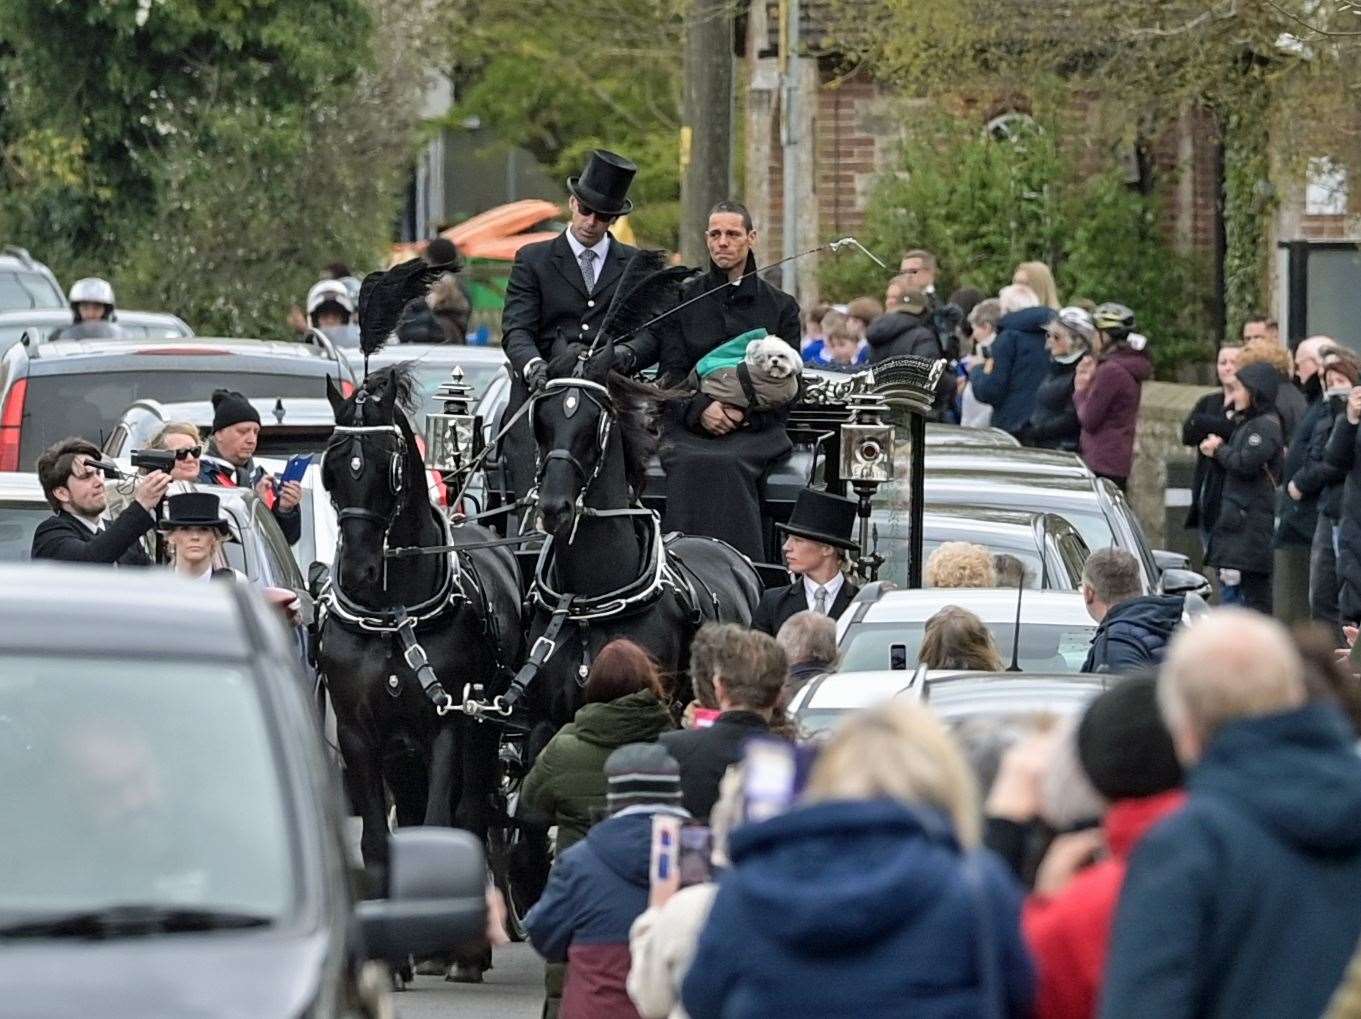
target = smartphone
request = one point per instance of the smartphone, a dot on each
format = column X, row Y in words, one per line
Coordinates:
column 897, row 657
column 705, row 717
column 664, row 869
column 295, row 468
column 768, row 778
column 694, row 856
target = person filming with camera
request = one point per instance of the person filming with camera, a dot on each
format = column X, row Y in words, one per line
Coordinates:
column 74, row 488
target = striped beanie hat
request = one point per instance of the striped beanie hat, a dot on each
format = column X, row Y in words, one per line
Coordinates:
column 641, row 773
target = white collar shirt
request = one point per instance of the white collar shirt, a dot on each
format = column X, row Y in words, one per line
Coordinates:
column 833, row 588
column 601, row 249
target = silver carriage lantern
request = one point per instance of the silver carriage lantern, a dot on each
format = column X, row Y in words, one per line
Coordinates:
column 453, row 434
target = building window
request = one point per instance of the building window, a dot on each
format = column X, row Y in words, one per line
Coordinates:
column 1325, row 190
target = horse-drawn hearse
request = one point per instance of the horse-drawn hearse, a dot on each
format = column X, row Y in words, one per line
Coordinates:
column 454, row 643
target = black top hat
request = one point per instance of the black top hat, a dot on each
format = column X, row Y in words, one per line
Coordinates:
column 194, row 509
column 604, row 185
column 821, row 516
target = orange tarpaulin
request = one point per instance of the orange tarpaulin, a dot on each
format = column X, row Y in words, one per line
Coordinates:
column 502, row 221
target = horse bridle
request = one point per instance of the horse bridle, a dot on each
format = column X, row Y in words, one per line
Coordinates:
column 574, row 391
column 395, row 473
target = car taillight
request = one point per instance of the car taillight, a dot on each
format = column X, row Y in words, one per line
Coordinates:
column 346, row 388
column 11, row 417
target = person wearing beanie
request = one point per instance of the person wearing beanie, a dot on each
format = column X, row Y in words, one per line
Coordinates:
column 599, row 886
column 1126, row 754
column 1240, row 543
column 230, row 460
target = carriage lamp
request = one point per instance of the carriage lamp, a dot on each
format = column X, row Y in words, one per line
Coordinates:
column 453, row 434
column 867, row 441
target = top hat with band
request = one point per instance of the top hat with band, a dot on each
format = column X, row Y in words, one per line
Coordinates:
column 821, row 516
column 194, row 509
column 604, row 185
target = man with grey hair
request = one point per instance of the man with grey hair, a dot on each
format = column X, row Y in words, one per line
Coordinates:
column 1297, row 519
column 1244, row 902
column 1135, row 627
column 809, row 642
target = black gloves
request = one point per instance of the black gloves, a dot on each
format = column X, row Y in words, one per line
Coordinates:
column 625, row 362
column 535, row 374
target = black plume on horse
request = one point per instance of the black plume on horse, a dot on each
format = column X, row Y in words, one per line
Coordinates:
column 440, row 769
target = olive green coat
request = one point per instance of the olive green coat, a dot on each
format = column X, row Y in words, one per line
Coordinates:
column 567, row 782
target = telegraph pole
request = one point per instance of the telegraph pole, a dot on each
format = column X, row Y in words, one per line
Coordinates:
column 790, row 112
column 706, row 120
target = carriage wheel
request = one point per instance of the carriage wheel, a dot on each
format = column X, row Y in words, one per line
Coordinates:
column 504, row 836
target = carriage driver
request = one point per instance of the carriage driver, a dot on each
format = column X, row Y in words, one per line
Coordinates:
column 817, row 538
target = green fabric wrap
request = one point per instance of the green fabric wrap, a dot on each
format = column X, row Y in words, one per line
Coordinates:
column 729, row 354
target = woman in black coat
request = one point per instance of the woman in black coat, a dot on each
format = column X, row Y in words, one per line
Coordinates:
column 1344, row 457
column 1054, row 422
column 1210, row 416
column 1240, row 542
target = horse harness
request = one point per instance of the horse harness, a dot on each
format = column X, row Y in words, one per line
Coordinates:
column 458, row 585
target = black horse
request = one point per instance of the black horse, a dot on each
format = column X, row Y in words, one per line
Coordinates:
column 595, row 438
column 461, row 610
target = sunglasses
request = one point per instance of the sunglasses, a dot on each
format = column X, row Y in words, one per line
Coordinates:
column 604, row 217
column 189, row 453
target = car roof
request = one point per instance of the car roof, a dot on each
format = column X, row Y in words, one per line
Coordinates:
column 941, row 434
column 442, row 353
column 990, row 604
column 1006, row 460
column 949, row 691
column 298, row 410
column 62, row 316
column 98, row 610
column 20, row 485
column 189, row 346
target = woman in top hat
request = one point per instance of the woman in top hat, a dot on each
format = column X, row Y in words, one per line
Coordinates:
column 558, row 294
column 194, row 531
column 817, row 538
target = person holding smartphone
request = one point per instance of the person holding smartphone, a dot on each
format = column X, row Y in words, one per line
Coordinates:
column 230, row 460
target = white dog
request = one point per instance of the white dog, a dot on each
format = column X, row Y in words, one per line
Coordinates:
column 773, row 369
column 772, row 358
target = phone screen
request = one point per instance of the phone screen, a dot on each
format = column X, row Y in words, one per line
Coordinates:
column 695, row 853
column 897, row 657
column 664, row 870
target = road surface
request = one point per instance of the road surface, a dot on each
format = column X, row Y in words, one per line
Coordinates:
column 513, row 989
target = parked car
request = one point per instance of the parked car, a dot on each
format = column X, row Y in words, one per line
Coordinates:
column 957, row 697
column 287, row 426
column 22, row 509
column 1049, row 547
column 83, row 387
column 481, row 366
column 37, row 325
column 174, row 842
column 26, row 283
column 883, row 629
column 1094, row 506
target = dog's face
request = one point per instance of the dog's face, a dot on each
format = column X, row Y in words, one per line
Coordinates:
column 773, row 358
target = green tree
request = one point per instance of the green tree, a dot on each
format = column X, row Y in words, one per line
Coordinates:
column 983, row 205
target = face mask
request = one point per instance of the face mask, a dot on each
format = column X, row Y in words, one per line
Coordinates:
column 1337, row 392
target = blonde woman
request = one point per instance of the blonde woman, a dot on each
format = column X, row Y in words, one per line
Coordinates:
column 1037, row 277
column 194, row 530
column 955, row 638
column 960, row 564
column 181, row 438
column 870, row 898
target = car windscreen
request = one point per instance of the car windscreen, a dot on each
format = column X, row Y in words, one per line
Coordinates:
column 478, row 374
column 1045, row 647
column 149, row 784
column 18, row 520
column 893, row 547
column 90, row 404
column 22, row 290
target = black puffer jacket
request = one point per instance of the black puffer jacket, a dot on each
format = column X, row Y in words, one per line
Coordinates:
column 1208, row 417
column 1319, row 477
column 901, row 332
column 1053, row 422
column 1241, row 539
column 1297, row 518
column 1344, row 457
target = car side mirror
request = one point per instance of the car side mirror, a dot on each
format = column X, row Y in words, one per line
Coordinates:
column 317, row 576
column 437, row 895
column 1166, row 560
column 1184, row 582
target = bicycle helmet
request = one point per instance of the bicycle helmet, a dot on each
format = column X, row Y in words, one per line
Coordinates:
column 1115, row 320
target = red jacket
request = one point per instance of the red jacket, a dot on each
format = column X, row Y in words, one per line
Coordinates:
column 1068, row 932
column 1108, row 410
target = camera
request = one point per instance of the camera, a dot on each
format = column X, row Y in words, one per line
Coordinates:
column 162, row 460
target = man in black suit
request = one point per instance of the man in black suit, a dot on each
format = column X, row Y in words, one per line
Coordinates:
column 75, row 490
column 748, row 678
column 818, row 536
column 558, row 294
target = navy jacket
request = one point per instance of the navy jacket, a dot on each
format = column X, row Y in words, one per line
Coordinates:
column 215, row 470
column 1019, row 365
column 857, row 908
column 1135, row 633
column 1244, row 903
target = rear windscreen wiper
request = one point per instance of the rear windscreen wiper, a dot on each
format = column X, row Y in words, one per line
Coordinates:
column 130, row 920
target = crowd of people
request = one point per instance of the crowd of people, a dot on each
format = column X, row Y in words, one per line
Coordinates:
column 1055, row 376
column 1188, row 844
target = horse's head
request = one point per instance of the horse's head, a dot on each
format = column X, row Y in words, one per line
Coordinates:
column 573, row 416
column 365, row 472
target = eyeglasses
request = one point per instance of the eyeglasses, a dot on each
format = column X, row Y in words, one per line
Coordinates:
column 189, row 453
column 726, row 235
column 592, row 214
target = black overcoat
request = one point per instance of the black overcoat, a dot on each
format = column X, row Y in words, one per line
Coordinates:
column 1241, row 539
column 63, row 537
column 779, row 603
column 713, row 482
column 547, row 308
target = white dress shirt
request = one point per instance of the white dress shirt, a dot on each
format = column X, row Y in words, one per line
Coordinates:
column 832, row 587
column 601, row 249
